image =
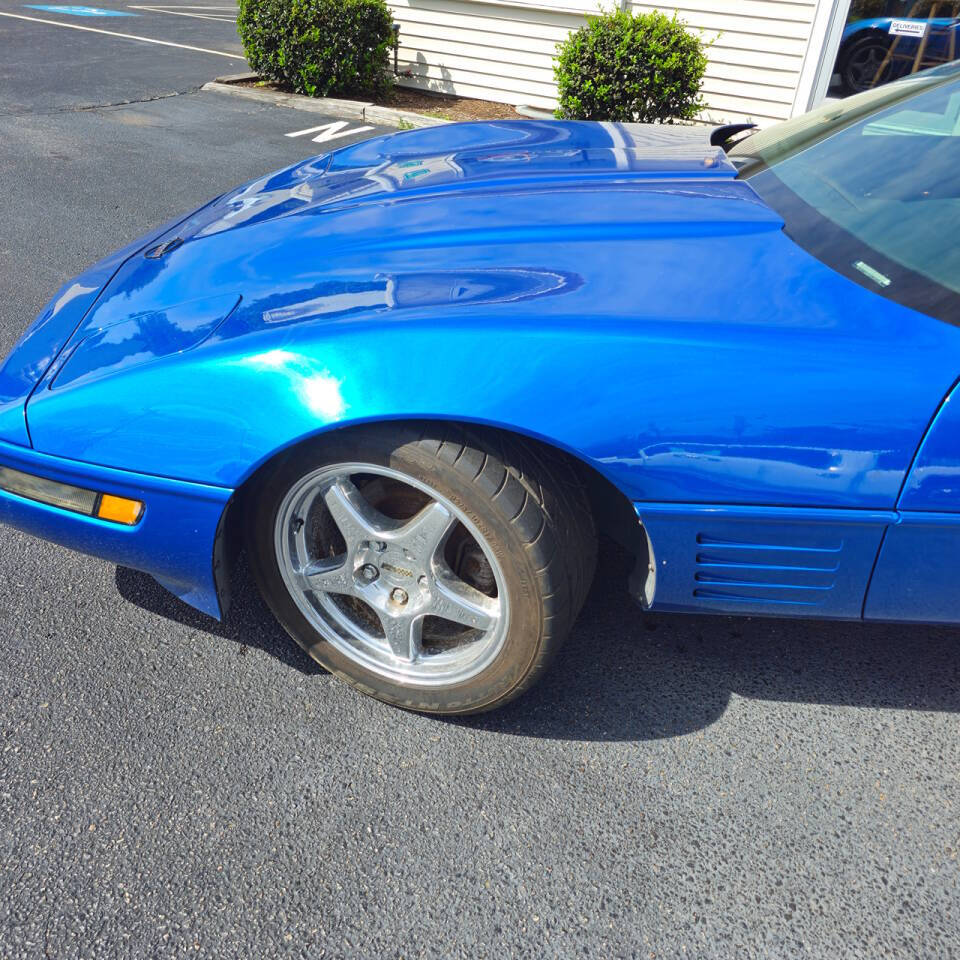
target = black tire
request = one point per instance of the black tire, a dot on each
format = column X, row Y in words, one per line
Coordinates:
column 864, row 54
column 527, row 502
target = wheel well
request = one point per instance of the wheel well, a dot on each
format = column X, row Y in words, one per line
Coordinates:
column 612, row 510
column 873, row 33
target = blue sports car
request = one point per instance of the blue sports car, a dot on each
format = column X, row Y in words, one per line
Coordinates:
column 882, row 49
column 414, row 378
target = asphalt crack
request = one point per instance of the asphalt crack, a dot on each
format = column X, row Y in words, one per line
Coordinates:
column 88, row 107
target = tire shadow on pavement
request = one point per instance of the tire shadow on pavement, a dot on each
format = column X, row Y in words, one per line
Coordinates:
column 249, row 621
column 628, row 675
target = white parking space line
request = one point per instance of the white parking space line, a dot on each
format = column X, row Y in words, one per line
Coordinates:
column 124, row 36
column 178, row 12
column 330, row 131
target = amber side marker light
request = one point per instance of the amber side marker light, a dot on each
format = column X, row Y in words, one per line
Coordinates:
column 75, row 499
column 119, row 509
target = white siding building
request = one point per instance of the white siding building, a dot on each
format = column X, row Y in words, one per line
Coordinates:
column 765, row 62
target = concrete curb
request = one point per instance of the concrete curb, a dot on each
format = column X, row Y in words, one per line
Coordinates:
column 342, row 109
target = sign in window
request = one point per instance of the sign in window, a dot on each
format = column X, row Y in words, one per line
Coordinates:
column 885, row 40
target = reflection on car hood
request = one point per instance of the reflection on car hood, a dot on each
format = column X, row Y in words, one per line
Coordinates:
column 524, row 218
column 509, row 211
column 496, row 156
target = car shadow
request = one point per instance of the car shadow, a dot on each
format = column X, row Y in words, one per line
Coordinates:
column 628, row 675
column 249, row 622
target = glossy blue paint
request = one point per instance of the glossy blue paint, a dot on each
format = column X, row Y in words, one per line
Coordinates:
column 42, row 342
column 173, row 541
column 119, row 344
column 44, row 339
column 613, row 290
column 916, row 576
column 797, row 562
column 657, row 323
column 934, row 481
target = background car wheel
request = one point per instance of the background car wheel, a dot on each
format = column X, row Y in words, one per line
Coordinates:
column 861, row 64
column 437, row 568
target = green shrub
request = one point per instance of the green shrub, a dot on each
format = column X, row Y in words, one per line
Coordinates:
column 630, row 68
column 319, row 47
column 259, row 23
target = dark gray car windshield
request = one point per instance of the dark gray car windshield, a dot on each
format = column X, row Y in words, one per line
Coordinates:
column 871, row 186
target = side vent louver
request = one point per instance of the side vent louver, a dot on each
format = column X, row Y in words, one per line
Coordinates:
column 741, row 571
column 786, row 561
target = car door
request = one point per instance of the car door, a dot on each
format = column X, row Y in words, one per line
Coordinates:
column 872, row 188
column 916, row 577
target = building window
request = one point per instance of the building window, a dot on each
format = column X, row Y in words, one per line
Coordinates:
column 885, row 40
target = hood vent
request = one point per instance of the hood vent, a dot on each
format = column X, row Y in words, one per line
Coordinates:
column 162, row 249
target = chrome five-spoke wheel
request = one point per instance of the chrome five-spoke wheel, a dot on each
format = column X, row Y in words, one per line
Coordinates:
column 433, row 566
column 391, row 573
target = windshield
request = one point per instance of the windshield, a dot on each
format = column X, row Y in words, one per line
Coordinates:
column 871, row 186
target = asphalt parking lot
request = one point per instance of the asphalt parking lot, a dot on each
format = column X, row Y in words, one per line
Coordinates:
column 677, row 787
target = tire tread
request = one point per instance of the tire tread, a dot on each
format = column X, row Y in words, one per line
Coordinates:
column 554, row 521
column 536, row 491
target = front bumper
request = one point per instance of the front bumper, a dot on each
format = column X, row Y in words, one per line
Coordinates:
column 174, row 540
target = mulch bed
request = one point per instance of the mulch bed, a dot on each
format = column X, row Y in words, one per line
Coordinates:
column 447, row 107
column 431, row 104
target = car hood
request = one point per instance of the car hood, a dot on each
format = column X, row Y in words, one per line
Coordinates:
column 466, row 157
column 45, row 338
column 416, row 223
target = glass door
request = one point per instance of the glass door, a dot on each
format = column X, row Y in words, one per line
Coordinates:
column 885, row 40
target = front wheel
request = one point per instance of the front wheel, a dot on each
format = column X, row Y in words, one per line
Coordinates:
column 435, row 568
column 865, row 65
